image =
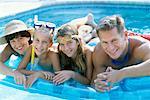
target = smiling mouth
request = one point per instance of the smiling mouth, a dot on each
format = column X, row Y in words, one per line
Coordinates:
column 69, row 51
column 113, row 53
column 20, row 48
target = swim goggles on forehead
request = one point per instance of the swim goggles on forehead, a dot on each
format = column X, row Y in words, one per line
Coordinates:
column 64, row 39
column 45, row 24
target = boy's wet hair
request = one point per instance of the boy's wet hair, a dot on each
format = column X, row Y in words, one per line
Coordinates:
column 18, row 34
column 109, row 22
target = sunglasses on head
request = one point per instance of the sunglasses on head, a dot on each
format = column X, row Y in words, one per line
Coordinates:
column 45, row 24
column 108, row 22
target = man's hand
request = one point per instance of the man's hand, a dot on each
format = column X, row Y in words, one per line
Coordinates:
column 113, row 76
column 106, row 79
column 101, row 84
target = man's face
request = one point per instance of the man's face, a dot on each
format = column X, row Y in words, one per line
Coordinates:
column 113, row 43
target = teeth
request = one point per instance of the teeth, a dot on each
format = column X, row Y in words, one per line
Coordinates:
column 113, row 52
column 19, row 48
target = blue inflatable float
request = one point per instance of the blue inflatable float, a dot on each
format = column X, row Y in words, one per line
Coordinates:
column 127, row 89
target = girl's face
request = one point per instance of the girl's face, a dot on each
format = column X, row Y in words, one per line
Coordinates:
column 20, row 44
column 41, row 43
column 69, row 47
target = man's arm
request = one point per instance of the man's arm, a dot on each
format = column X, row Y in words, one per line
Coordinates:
column 99, row 58
column 142, row 69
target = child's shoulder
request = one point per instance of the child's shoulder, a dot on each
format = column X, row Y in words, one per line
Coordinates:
column 52, row 53
column 54, row 48
column 29, row 49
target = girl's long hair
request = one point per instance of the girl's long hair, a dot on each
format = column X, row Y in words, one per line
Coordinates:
column 79, row 63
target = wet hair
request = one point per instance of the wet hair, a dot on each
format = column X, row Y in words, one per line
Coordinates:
column 18, row 34
column 79, row 63
column 109, row 22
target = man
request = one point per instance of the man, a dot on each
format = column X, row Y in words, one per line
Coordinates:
column 118, row 56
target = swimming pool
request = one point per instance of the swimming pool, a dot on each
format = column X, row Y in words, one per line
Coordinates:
column 136, row 18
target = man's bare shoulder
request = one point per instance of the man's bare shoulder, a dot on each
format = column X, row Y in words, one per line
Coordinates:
column 138, row 42
column 141, row 47
column 99, row 53
column 98, row 49
column 139, row 39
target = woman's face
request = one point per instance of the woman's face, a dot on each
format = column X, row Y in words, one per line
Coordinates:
column 69, row 48
column 20, row 44
column 41, row 43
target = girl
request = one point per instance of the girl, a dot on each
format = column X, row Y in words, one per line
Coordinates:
column 40, row 54
column 75, row 57
column 18, row 38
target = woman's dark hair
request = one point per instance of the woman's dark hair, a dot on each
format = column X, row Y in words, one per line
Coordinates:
column 18, row 34
column 15, row 35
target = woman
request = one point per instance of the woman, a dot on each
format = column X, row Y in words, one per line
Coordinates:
column 18, row 38
column 75, row 57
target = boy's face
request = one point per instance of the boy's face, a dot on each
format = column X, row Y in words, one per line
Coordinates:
column 41, row 43
column 113, row 43
column 20, row 44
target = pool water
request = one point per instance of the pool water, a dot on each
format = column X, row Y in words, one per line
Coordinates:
column 136, row 19
column 14, row 94
column 136, row 16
